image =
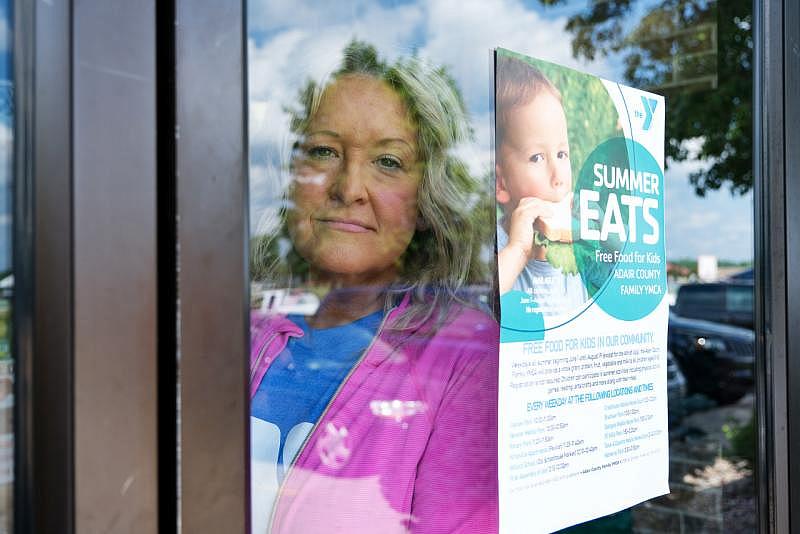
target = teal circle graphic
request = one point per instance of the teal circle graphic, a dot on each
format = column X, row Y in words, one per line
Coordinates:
column 520, row 320
column 619, row 218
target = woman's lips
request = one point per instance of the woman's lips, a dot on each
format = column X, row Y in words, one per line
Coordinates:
column 345, row 225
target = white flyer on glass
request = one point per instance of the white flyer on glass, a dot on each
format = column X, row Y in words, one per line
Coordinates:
column 582, row 270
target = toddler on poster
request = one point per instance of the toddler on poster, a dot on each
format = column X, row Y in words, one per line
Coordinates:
column 533, row 186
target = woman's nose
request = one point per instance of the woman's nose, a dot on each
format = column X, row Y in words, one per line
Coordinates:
column 349, row 184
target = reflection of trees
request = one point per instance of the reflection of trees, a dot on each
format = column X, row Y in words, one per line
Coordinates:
column 698, row 53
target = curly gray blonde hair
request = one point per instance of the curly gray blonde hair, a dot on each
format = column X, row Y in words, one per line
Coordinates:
column 443, row 256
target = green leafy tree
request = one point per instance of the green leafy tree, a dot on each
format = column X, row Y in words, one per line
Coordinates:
column 699, row 54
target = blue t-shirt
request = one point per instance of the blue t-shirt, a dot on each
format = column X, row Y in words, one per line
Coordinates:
column 554, row 292
column 292, row 395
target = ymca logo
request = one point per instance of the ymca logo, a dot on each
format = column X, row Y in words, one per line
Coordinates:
column 649, row 108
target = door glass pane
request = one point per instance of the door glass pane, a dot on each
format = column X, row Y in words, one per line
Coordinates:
column 6, row 274
column 358, row 258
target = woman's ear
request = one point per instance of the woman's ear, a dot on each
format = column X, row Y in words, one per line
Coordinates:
column 500, row 192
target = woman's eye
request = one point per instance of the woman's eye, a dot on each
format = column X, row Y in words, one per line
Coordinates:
column 388, row 161
column 536, row 158
column 563, row 154
column 322, row 152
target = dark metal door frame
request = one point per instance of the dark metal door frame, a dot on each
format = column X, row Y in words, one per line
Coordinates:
column 213, row 284
column 67, row 184
column 776, row 263
column 791, row 180
column 43, row 257
column 85, row 266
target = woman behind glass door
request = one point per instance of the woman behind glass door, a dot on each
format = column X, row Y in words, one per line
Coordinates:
column 374, row 408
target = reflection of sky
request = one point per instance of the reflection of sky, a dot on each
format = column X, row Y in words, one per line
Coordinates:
column 292, row 41
column 716, row 224
column 6, row 153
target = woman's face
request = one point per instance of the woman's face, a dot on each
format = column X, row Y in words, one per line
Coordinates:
column 356, row 176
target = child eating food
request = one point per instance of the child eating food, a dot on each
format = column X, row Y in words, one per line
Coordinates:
column 533, row 187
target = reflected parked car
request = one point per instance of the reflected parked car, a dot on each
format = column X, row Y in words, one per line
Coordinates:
column 676, row 392
column 722, row 302
column 285, row 301
column 716, row 359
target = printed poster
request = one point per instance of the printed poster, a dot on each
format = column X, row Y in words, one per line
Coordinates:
column 582, row 410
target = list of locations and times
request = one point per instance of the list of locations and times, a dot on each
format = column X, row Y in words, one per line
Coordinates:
column 583, row 405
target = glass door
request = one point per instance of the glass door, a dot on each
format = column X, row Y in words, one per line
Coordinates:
column 7, row 123
column 697, row 53
column 317, row 77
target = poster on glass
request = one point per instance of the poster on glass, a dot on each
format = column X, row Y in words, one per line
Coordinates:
column 582, row 409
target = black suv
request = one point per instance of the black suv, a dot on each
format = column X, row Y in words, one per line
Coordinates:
column 716, row 359
column 721, row 302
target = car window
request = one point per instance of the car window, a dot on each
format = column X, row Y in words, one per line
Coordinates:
column 701, row 296
column 740, row 299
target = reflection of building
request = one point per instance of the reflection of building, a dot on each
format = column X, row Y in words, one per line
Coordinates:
column 678, row 271
column 707, row 268
column 675, row 55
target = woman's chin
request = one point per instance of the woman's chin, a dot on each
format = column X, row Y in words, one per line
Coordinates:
column 352, row 269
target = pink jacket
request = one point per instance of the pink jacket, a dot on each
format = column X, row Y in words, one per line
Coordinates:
column 408, row 443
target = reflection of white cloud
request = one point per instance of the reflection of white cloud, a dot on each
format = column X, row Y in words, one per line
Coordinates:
column 462, row 34
column 265, row 16
column 291, row 42
column 267, row 187
column 719, row 223
column 477, row 155
column 679, row 171
column 701, row 219
column 283, row 62
column 6, row 153
column 265, row 118
column 693, row 145
column 5, row 32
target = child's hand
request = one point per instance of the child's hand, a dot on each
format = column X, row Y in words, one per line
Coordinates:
column 520, row 226
column 519, row 250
